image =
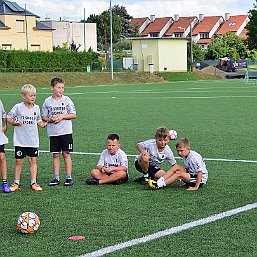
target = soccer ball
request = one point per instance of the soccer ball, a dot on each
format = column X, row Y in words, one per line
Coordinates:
column 173, row 134
column 28, row 222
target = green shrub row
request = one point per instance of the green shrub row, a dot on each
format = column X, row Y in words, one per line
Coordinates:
column 47, row 60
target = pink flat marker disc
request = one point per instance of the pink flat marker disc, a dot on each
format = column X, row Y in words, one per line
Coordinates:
column 76, row 237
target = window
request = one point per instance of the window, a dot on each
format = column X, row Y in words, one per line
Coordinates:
column 35, row 47
column 177, row 35
column 20, row 26
column 231, row 24
column 6, row 46
column 204, row 35
column 154, row 35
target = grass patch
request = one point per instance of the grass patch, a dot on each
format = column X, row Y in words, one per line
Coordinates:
column 187, row 76
column 42, row 79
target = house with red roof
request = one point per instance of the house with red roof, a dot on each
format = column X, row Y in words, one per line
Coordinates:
column 140, row 23
column 181, row 27
column 157, row 27
column 235, row 24
column 205, row 29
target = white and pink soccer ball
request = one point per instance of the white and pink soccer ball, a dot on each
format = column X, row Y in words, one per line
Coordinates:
column 173, row 134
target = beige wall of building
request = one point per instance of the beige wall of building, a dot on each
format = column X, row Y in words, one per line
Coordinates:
column 14, row 37
column 160, row 54
column 67, row 32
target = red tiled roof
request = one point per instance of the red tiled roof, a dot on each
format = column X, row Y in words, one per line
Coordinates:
column 155, row 26
column 179, row 26
column 243, row 34
column 232, row 24
column 204, row 41
column 206, row 25
column 137, row 22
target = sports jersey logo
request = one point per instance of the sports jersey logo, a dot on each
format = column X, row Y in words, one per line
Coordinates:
column 19, row 153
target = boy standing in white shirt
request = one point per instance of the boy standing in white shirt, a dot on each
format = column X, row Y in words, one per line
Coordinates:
column 25, row 117
column 58, row 110
column 3, row 141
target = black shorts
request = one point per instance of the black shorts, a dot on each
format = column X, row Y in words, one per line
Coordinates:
column 63, row 143
column 151, row 170
column 2, row 149
column 22, row 152
column 192, row 181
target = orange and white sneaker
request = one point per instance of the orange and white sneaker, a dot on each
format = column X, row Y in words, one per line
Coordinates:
column 36, row 187
column 14, row 187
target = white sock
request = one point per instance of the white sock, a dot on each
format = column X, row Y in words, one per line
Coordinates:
column 161, row 182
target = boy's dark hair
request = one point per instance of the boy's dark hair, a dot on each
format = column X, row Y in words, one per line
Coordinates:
column 113, row 137
column 55, row 81
column 182, row 142
column 162, row 132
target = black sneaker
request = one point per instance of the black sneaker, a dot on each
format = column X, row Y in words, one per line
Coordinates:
column 141, row 180
column 92, row 181
column 54, row 182
column 68, row 182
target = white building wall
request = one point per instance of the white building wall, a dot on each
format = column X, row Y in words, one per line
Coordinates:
column 67, row 32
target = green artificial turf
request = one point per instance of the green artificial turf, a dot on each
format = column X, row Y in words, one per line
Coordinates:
column 218, row 117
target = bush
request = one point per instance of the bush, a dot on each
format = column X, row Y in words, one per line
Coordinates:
column 45, row 61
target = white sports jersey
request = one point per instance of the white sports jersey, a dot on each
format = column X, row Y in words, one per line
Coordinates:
column 3, row 138
column 156, row 157
column 52, row 108
column 25, row 135
column 194, row 163
column 108, row 160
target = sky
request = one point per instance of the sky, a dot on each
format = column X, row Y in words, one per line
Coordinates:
column 73, row 10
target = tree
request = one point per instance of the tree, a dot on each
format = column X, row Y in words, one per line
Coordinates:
column 103, row 29
column 125, row 20
column 198, row 52
column 229, row 45
column 252, row 28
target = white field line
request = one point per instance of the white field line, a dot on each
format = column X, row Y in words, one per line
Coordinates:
column 170, row 231
column 134, row 155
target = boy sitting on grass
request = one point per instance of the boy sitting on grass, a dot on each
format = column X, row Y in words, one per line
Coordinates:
column 153, row 152
column 194, row 174
column 112, row 166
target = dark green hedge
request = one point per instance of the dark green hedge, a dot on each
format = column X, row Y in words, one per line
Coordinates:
column 46, row 60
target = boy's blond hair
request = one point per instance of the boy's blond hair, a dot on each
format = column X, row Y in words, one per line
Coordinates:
column 162, row 132
column 183, row 142
column 28, row 88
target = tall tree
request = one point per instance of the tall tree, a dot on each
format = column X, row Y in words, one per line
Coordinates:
column 125, row 20
column 252, row 28
column 103, row 29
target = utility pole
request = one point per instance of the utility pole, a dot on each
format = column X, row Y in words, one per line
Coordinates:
column 111, row 57
column 26, row 28
column 85, row 30
column 191, row 45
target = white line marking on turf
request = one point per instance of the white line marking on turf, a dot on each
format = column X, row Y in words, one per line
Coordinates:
column 170, row 231
column 134, row 155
